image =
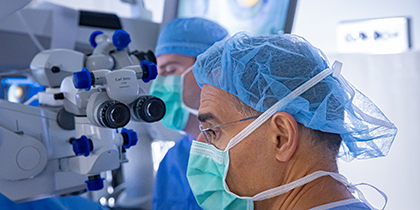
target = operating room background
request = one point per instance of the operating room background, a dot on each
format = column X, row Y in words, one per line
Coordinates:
column 392, row 81
column 117, row 7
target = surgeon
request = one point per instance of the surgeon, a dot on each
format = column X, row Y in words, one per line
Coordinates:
column 179, row 43
column 274, row 117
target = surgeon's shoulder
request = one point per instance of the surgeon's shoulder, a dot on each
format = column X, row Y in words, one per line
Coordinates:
column 350, row 204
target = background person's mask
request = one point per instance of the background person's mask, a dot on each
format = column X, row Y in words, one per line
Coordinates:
column 169, row 89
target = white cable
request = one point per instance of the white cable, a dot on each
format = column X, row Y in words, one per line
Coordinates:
column 14, row 72
column 33, row 98
column 29, row 31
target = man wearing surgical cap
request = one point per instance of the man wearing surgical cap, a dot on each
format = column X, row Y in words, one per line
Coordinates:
column 179, row 43
column 274, row 117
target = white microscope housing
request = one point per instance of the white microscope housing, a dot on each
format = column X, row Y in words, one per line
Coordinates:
column 62, row 146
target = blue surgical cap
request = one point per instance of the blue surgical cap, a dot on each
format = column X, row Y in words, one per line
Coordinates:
column 189, row 36
column 261, row 70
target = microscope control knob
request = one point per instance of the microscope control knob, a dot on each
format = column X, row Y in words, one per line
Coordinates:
column 95, row 182
column 130, row 138
column 149, row 70
column 82, row 146
column 93, row 36
column 82, row 79
column 121, row 39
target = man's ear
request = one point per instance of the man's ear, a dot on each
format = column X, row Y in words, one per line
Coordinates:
column 284, row 135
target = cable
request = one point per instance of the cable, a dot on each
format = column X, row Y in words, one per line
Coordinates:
column 33, row 98
column 29, row 31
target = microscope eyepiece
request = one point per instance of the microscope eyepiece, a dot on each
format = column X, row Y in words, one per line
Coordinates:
column 149, row 108
column 113, row 114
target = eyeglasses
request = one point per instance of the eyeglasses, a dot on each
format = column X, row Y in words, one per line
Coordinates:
column 209, row 133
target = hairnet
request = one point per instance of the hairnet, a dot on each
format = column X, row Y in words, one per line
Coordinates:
column 189, row 36
column 261, row 70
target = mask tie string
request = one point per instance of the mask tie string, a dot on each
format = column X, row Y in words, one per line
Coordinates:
column 189, row 109
column 353, row 189
column 311, row 177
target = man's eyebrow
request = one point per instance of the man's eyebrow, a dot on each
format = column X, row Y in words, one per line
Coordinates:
column 207, row 116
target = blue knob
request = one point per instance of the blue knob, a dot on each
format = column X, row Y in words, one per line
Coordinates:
column 93, row 36
column 121, row 39
column 82, row 79
column 81, row 146
column 95, row 183
column 130, row 138
column 149, row 70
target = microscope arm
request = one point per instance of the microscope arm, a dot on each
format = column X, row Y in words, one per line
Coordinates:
column 110, row 52
column 21, row 156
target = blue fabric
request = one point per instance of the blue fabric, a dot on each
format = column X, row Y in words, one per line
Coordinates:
column 172, row 190
column 189, row 36
column 53, row 203
column 261, row 70
column 353, row 206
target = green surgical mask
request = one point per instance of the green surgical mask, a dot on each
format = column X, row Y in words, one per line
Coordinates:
column 169, row 89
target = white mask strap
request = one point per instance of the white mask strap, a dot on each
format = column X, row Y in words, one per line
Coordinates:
column 287, row 187
column 311, row 177
column 353, row 188
column 189, row 109
column 348, row 88
column 186, row 71
column 284, row 101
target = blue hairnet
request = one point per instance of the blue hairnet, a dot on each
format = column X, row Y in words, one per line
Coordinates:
column 189, row 36
column 261, row 70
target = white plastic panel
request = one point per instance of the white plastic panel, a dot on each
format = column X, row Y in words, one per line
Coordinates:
column 378, row 36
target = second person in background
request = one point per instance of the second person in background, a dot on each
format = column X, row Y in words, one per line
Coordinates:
column 179, row 44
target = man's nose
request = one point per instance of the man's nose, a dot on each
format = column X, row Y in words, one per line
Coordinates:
column 201, row 138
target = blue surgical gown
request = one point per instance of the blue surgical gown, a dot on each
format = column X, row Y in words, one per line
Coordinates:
column 171, row 189
column 349, row 204
column 53, row 203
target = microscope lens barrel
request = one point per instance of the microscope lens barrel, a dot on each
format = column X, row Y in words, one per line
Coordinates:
column 113, row 114
column 150, row 108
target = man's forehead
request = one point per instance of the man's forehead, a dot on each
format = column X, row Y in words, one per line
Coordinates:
column 165, row 59
column 215, row 104
column 210, row 93
column 174, row 57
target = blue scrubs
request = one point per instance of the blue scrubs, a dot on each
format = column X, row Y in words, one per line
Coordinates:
column 349, row 204
column 53, row 203
column 172, row 190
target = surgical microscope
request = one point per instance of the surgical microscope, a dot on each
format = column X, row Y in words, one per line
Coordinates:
column 62, row 146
